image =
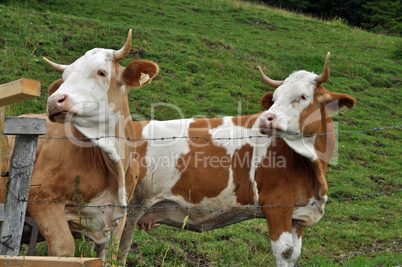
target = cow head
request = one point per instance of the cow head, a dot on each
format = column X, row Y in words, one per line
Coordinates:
column 92, row 94
column 299, row 108
column 93, row 88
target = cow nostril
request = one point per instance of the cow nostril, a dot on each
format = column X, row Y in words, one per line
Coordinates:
column 271, row 117
column 62, row 99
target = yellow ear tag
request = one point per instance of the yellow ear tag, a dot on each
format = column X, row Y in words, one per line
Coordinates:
column 144, row 78
column 343, row 109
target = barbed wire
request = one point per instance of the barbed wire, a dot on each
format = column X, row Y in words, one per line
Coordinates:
column 222, row 138
column 148, row 209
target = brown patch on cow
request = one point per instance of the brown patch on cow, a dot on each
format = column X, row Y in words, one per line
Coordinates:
column 333, row 101
column 245, row 121
column 266, row 100
column 116, row 100
column 310, row 119
column 54, row 172
column 241, row 164
column 279, row 187
column 141, row 148
column 205, row 169
column 299, row 231
column 54, row 86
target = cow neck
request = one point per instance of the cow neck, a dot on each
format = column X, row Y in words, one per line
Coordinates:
column 311, row 147
column 324, row 147
column 312, row 169
column 110, row 136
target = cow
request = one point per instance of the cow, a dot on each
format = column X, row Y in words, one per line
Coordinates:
column 205, row 174
column 84, row 158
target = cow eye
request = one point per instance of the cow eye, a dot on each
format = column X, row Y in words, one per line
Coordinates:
column 101, row 73
column 303, row 97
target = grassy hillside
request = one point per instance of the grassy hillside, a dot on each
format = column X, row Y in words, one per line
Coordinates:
column 208, row 51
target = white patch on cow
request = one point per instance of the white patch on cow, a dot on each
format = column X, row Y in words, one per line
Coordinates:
column 160, row 144
column 302, row 145
column 283, row 250
column 311, row 213
column 297, row 244
column 233, row 137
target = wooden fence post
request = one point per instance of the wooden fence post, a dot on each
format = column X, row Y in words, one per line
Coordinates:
column 12, row 213
column 19, row 182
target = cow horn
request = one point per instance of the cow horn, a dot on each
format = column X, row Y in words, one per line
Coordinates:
column 123, row 52
column 325, row 74
column 272, row 83
column 58, row 67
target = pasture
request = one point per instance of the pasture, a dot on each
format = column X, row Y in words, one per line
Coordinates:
column 208, row 52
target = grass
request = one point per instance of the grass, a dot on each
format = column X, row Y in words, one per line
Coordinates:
column 208, row 52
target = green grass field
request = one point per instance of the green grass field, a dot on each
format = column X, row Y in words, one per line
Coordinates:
column 208, row 51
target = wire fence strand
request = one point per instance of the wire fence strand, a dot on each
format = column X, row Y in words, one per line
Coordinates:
column 189, row 208
column 222, row 138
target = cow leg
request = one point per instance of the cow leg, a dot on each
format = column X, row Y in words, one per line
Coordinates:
column 127, row 239
column 53, row 225
column 280, row 230
column 129, row 229
column 139, row 201
column 297, row 234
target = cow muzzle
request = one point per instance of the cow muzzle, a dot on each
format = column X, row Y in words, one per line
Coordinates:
column 57, row 110
column 270, row 125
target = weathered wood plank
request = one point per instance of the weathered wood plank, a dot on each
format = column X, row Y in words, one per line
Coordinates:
column 19, row 90
column 2, row 215
column 4, row 147
column 24, row 125
column 28, row 261
column 21, row 167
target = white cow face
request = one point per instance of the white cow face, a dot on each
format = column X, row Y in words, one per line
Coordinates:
column 93, row 89
column 288, row 102
column 298, row 110
column 83, row 95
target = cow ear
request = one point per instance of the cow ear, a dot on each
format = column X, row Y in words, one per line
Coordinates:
column 266, row 100
column 139, row 72
column 54, row 86
column 335, row 101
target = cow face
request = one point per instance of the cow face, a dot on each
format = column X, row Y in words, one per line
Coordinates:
column 295, row 106
column 93, row 88
column 298, row 111
column 287, row 103
column 84, row 91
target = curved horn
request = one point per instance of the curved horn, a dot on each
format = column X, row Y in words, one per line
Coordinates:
column 58, row 67
column 325, row 74
column 123, row 52
column 272, row 83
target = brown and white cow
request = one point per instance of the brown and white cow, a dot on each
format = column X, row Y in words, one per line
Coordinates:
column 90, row 101
column 189, row 167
